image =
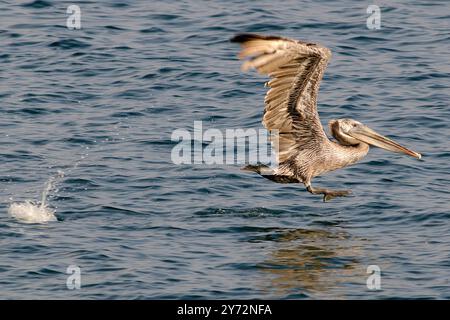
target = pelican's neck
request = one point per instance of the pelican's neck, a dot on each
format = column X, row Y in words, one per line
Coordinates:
column 352, row 154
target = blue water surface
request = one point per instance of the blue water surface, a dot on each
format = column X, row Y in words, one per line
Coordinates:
column 101, row 103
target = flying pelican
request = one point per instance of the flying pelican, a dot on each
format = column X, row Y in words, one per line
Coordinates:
column 303, row 149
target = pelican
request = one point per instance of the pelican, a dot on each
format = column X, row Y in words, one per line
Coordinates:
column 303, row 149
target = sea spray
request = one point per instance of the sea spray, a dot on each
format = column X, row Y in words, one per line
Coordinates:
column 49, row 186
column 32, row 212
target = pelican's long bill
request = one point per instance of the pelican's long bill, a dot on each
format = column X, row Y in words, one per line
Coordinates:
column 369, row 136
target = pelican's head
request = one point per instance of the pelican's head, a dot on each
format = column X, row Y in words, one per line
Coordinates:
column 351, row 132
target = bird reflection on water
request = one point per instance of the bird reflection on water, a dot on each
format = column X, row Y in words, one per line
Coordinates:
column 312, row 262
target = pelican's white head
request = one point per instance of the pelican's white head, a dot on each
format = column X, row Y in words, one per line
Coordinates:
column 350, row 132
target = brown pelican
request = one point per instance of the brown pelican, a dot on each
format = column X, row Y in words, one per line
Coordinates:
column 303, row 149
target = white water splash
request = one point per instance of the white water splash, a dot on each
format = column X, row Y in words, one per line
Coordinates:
column 32, row 212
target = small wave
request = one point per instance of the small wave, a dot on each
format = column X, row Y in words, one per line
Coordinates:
column 251, row 212
column 114, row 28
column 38, row 4
column 69, row 44
column 164, row 17
column 152, row 30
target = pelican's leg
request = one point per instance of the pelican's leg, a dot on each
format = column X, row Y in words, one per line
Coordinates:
column 328, row 194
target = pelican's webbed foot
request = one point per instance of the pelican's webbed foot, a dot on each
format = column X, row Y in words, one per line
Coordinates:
column 328, row 194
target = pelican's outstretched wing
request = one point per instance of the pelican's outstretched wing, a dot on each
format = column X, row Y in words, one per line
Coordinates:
column 296, row 69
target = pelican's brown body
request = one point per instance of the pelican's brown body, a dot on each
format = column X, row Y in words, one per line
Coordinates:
column 310, row 163
column 303, row 149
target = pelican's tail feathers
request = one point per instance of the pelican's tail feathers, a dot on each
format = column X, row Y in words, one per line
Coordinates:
column 258, row 168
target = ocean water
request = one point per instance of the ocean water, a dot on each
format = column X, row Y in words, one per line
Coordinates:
column 100, row 104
